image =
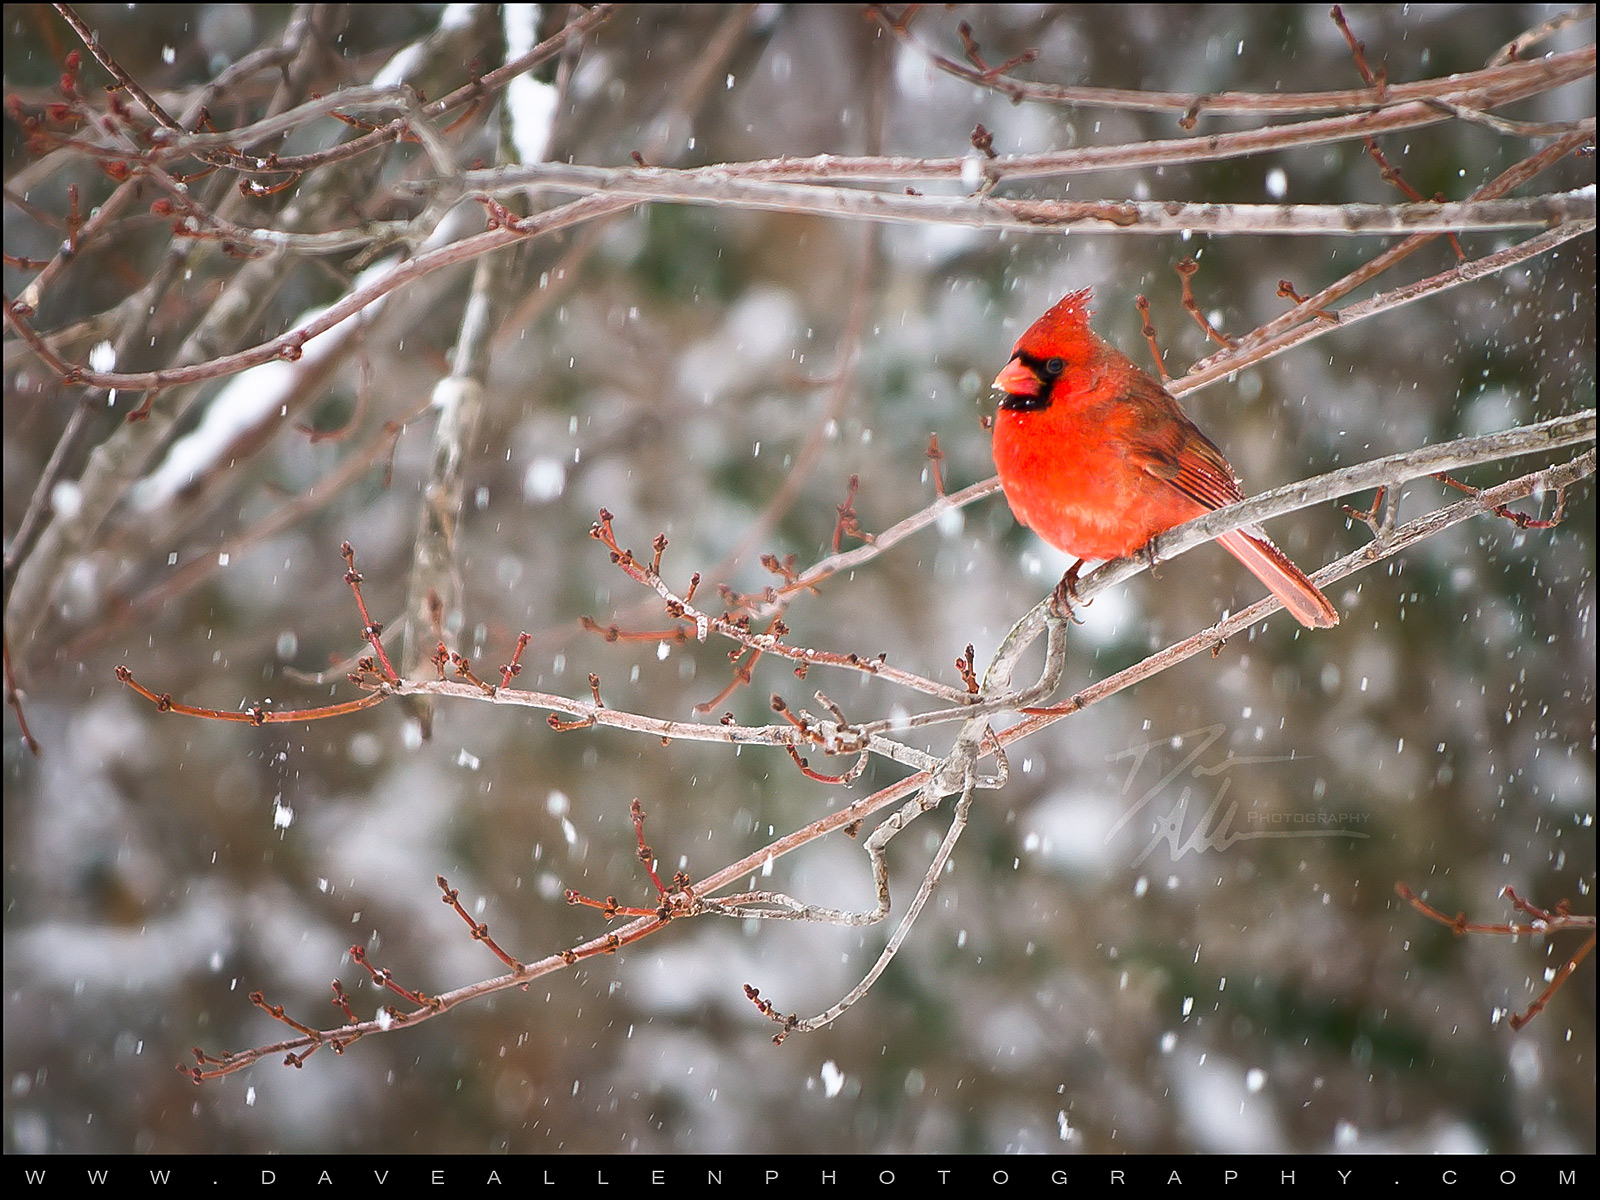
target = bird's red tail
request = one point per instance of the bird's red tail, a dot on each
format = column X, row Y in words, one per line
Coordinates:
column 1283, row 579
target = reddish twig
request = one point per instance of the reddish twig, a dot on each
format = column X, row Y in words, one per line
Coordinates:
column 673, row 900
column 367, row 674
column 1368, row 516
column 255, row 714
column 371, row 631
column 615, row 633
column 1358, row 51
column 384, row 978
column 968, row 671
column 1392, row 176
column 970, row 45
column 741, row 677
column 1186, row 268
column 1149, row 331
column 1287, row 291
column 341, row 1001
column 480, row 930
column 512, row 669
column 832, row 780
column 1520, row 520
column 847, row 525
column 679, row 609
column 936, row 458
column 14, row 699
column 1561, row 920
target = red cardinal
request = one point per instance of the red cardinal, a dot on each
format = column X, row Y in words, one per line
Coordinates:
column 1097, row 458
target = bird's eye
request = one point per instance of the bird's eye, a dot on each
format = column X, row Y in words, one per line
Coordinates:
column 1054, row 366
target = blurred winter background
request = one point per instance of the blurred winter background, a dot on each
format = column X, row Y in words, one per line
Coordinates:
column 720, row 375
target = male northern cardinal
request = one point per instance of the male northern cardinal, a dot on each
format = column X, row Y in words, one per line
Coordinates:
column 1097, row 458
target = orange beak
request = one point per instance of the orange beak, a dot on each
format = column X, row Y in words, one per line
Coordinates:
column 1017, row 379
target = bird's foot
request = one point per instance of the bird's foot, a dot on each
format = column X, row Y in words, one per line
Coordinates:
column 1066, row 595
column 1148, row 553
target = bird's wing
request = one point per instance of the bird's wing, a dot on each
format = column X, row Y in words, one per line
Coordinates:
column 1169, row 446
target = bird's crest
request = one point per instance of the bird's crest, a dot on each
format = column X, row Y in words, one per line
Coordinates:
column 1069, row 318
